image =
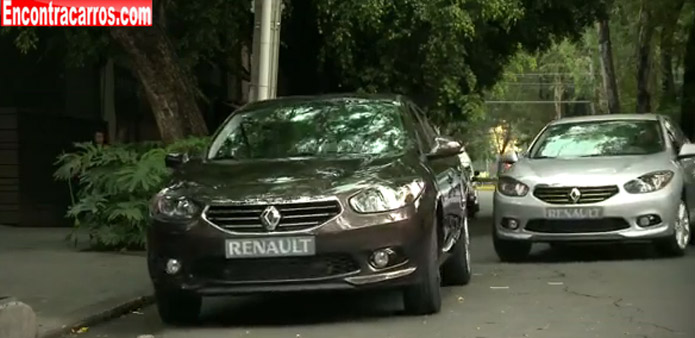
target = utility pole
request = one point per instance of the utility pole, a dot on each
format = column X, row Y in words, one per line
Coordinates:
column 278, row 6
column 265, row 53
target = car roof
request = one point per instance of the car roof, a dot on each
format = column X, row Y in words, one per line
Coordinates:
column 607, row 117
column 289, row 100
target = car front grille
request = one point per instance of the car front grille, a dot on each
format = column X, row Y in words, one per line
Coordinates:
column 276, row 269
column 562, row 195
column 293, row 216
column 576, row 226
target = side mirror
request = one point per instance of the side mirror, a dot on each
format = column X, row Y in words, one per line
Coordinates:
column 445, row 147
column 174, row 161
column 509, row 158
column 687, row 151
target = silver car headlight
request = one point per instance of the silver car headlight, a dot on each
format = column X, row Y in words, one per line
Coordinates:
column 510, row 187
column 382, row 198
column 649, row 182
column 173, row 207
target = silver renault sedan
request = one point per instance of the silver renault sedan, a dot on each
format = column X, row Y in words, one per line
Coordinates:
column 598, row 178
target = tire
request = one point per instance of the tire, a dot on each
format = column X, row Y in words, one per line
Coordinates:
column 425, row 297
column 178, row 307
column 511, row 251
column 677, row 244
column 457, row 269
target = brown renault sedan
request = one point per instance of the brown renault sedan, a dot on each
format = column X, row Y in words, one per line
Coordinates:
column 341, row 192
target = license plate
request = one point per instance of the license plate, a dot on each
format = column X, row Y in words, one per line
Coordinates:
column 270, row 247
column 573, row 213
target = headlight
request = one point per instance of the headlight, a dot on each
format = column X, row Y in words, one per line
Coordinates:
column 649, row 182
column 382, row 198
column 174, row 207
column 510, row 187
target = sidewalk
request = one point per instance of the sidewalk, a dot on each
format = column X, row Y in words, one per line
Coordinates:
column 64, row 286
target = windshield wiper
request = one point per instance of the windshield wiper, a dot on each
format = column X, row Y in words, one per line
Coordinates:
column 596, row 155
column 304, row 154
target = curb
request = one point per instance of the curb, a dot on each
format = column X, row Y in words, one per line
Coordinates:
column 100, row 317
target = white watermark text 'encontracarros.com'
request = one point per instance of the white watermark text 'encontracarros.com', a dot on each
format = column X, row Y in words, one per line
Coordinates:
column 76, row 12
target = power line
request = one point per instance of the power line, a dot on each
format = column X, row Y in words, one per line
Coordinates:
column 548, row 74
column 512, row 83
column 536, row 102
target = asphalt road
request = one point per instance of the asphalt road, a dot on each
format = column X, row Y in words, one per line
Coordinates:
column 584, row 292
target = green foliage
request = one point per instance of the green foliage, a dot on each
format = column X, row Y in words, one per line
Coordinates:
column 115, row 185
column 442, row 52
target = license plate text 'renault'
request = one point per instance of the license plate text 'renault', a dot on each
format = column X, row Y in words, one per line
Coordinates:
column 573, row 213
column 270, row 247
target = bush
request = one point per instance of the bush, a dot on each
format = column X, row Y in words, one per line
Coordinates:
column 115, row 185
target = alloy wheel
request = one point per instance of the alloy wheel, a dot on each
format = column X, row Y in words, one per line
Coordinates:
column 682, row 227
column 467, row 240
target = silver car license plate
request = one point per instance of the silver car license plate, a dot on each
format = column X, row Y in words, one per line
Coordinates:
column 270, row 247
column 574, row 213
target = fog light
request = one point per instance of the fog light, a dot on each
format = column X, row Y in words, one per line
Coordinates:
column 381, row 258
column 648, row 220
column 510, row 223
column 173, row 266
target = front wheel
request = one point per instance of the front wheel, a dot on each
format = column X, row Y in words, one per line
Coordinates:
column 425, row 297
column 677, row 244
column 178, row 307
column 457, row 269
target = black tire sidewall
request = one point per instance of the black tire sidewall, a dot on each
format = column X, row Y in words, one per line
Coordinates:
column 425, row 297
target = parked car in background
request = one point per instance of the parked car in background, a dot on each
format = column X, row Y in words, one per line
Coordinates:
column 470, row 175
column 313, row 193
column 599, row 178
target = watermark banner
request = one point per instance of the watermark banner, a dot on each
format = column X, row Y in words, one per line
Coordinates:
column 76, row 13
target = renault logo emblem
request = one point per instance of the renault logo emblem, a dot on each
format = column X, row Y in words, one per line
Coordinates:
column 575, row 195
column 270, row 217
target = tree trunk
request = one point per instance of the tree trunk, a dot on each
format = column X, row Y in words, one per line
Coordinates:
column 670, row 20
column 610, row 84
column 646, row 30
column 170, row 96
column 507, row 139
column 668, row 83
column 558, row 91
column 688, row 101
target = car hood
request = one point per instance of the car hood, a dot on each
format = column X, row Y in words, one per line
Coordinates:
column 289, row 179
column 590, row 171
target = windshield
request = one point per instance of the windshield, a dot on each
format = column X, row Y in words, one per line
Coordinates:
column 313, row 129
column 600, row 138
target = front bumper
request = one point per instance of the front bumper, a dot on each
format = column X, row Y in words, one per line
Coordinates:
column 624, row 208
column 341, row 261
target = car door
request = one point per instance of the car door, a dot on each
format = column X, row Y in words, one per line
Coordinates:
column 448, row 175
column 677, row 139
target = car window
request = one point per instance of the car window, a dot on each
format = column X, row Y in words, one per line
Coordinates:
column 428, row 133
column 432, row 132
column 423, row 139
column 333, row 128
column 599, row 138
column 676, row 136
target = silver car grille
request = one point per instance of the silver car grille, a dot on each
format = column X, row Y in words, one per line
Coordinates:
column 293, row 216
column 562, row 195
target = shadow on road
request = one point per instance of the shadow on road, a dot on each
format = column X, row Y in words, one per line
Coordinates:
column 592, row 253
column 300, row 309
